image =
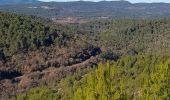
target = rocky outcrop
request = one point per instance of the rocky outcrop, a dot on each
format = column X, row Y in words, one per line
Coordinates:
column 110, row 56
column 85, row 54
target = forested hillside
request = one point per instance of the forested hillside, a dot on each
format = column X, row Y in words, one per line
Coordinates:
column 100, row 59
column 91, row 10
column 144, row 77
column 149, row 36
column 24, row 33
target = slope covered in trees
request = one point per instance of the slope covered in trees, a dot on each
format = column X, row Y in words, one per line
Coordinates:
column 23, row 33
column 143, row 77
column 40, row 59
column 87, row 9
column 122, row 35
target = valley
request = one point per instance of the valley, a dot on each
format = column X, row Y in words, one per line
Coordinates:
column 108, row 50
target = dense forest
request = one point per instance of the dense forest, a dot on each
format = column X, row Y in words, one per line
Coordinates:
column 144, row 77
column 104, row 59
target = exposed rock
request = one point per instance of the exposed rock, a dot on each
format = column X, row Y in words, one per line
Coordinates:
column 132, row 52
column 110, row 56
column 87, row 53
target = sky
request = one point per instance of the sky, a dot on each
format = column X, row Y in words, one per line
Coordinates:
column 133, row 1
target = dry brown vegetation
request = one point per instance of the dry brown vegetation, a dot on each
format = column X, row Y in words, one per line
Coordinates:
column 39, row 67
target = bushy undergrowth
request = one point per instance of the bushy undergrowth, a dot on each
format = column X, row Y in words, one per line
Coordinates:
column 142, row 77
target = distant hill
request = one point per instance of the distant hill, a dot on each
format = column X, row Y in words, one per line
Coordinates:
column 87, row 9
column 17, row 1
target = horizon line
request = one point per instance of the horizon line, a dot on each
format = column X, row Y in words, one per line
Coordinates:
column 102, row 1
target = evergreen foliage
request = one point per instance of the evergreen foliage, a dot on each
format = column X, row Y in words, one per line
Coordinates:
column 141, row 72
column 27, row 33
column 144, row 77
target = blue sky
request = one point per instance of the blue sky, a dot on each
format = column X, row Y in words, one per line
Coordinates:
column 133, row 1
